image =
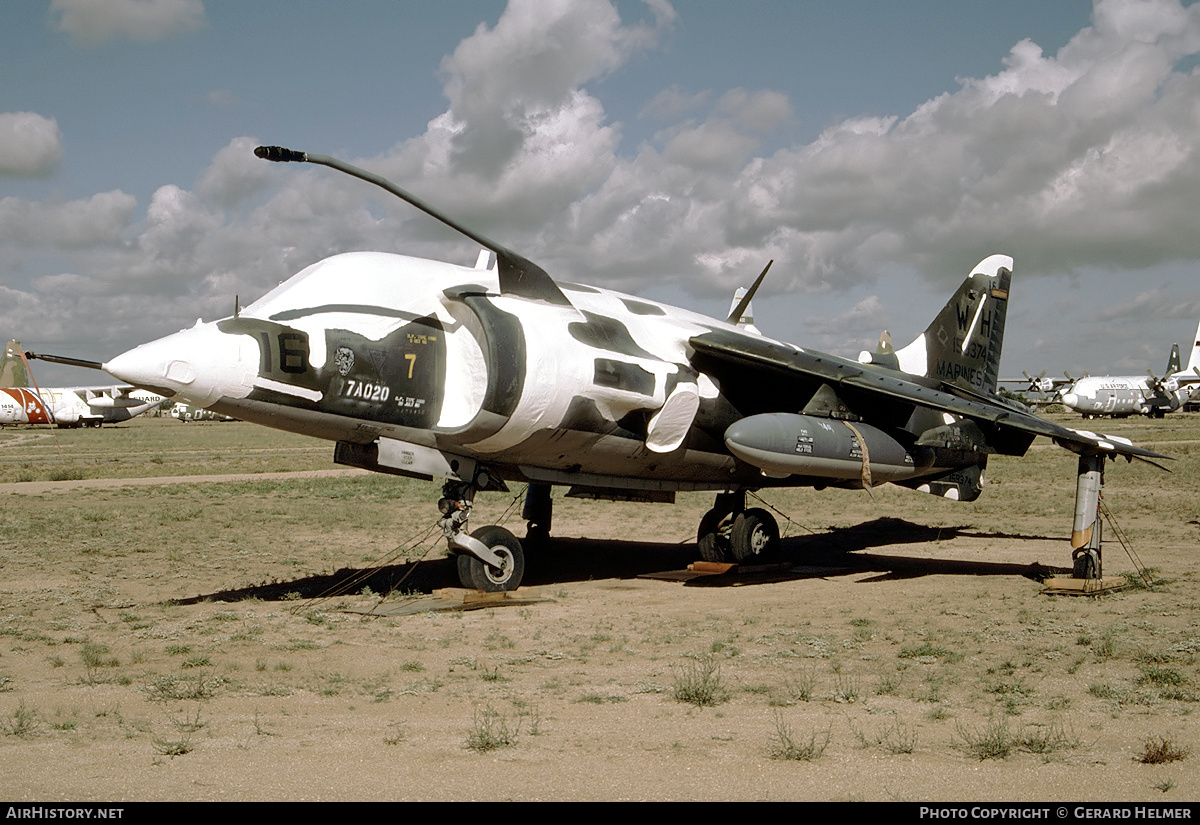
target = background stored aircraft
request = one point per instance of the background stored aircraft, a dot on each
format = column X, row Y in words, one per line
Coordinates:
column 186, row 413
column 21, row 402
column 1124, row 395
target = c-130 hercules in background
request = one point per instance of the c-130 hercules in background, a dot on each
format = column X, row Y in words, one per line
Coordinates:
column 1122, row 395
column 498, row 373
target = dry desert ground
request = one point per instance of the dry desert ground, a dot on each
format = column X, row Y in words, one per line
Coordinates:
column 215, row 612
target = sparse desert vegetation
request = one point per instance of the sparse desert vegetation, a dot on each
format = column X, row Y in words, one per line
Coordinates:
column 234, row 630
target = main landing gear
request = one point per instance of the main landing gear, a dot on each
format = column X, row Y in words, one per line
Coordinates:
column 731, row 533
column 537, row 512
column 490, row 558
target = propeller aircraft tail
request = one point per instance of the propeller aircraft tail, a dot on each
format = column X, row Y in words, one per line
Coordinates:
column 1173, row 361
column 14, row 371
column 1194, row 360
column 744, row 318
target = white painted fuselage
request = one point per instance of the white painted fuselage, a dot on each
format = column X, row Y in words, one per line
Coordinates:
column 430, row 369
column 421, row 366
column 368, row 345
column 1124, row 395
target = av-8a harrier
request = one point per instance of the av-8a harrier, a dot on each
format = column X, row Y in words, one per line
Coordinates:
column 495, row 374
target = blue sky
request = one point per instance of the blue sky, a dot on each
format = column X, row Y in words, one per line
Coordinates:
column 876, row 150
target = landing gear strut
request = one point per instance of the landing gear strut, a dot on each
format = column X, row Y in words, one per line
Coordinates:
column 1086, row 531
column 537, row 512
column 731, row 533
column 490, row 558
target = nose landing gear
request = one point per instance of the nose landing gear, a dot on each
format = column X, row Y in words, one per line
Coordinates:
column 490, row 558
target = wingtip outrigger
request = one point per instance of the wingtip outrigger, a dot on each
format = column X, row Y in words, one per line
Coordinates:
column 519, row 276
column 1086, row 529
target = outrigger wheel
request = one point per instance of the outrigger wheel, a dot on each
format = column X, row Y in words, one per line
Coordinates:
column 730, row 532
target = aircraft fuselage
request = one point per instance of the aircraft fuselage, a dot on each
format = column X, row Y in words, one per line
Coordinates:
column 73, row 406
column 1119, row 396
column 416, row 365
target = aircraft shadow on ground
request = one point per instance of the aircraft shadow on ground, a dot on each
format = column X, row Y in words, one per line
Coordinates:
column 565, row 560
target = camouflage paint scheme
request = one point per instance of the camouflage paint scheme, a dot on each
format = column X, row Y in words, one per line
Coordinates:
column 607, row 391
column 499, row 373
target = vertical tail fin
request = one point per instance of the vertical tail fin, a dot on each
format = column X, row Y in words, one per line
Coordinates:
column 1173, row 361
column 14, row 372
column 740, row 312
column 745, row 318
column 961, row 348
column 1194, row 359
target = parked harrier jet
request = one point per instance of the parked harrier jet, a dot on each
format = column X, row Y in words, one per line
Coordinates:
column 1123, row 395
column 498, row 373
column 23, row 403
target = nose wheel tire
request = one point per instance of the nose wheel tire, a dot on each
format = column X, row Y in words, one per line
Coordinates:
column 477, row 575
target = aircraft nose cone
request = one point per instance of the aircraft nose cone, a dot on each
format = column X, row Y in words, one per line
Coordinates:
column 153, row 367
column 1070, row 400
column 198, row 365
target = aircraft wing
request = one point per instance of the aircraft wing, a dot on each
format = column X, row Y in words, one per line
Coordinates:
column 769, row 363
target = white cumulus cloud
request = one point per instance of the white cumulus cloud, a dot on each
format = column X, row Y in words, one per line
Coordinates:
column 80, row 224
column 30, row 144
column 98, row 21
